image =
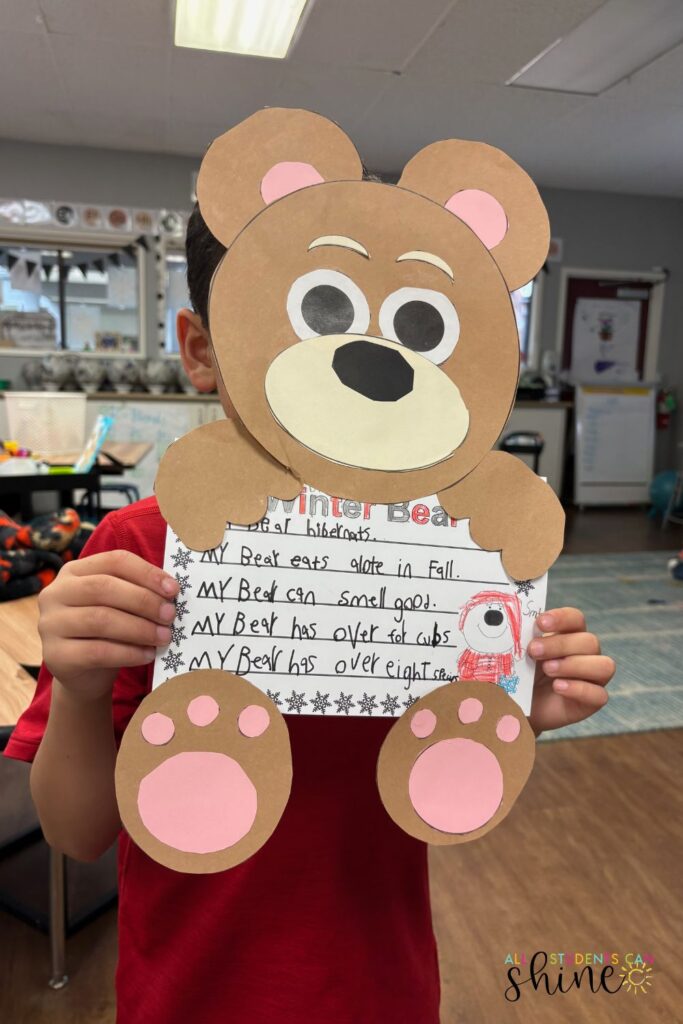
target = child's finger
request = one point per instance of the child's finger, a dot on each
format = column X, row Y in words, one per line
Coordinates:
column 590, row 695
column 562, row 620
column 126, row 566
column 595, row 668
column 98, row 654
column 109, row 592
column 559, row 645
column 108, row 624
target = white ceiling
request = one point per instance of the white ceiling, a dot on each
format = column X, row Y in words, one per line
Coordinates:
column 396, row 74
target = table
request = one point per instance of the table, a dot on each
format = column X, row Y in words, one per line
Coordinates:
column 19, row 637
column 114, row 459
column 16, row 690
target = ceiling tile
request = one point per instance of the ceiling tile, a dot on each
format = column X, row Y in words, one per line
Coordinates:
column 112, row 78
column 342, row 94
column 412, row 114
column 20, row 16
column 131, row 21
column 221, row 88
column 486, row 40
column 29, row 81
column 358, row 33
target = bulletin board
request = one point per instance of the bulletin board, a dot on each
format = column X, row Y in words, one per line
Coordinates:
column 609, row 325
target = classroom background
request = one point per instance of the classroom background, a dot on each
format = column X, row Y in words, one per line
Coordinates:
column 105, row 116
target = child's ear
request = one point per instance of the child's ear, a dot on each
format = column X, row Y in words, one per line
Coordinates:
column 274, row 152
column 493, row 195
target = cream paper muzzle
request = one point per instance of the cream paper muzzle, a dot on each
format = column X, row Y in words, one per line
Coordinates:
column 366, row 402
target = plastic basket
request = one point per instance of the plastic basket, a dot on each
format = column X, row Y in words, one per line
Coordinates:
column 47, row 422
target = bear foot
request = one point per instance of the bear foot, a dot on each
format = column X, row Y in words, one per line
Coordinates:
column 453, row 765
column 204, row 771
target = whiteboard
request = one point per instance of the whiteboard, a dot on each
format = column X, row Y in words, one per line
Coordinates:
column 615, row 439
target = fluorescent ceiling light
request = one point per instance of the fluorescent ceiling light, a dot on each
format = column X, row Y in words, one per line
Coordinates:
column 617, row 40
column 260, row 28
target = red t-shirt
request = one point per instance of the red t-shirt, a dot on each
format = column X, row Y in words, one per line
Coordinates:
column 329, row 922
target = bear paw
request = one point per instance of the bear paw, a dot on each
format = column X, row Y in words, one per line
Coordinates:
column 453, row 765
column 204, row 771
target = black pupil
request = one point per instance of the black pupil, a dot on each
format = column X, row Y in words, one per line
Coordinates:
column 418, row 325
column 493, row 618
column 327, row 310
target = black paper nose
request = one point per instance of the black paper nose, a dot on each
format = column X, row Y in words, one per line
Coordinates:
column 374, row 371
column 493, row 618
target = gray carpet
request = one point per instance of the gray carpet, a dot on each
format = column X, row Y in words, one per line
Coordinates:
column 636, row 608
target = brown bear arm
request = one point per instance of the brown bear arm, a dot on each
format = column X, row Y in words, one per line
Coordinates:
column 214, row 475
column 511, row 510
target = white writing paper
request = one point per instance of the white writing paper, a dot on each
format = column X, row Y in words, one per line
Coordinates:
column 333, row 606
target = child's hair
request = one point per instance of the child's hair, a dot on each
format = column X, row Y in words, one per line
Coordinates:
column 204, row 252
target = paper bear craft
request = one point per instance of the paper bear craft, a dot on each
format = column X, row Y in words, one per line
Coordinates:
column 364, row 334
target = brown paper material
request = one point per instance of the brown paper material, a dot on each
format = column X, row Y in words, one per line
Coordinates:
column 402, row 748
column 511, row 510
column 250, row 330
column 450, row 166
column 404, row 413
column 266, row 759
column 213, row 475
column 230, row 177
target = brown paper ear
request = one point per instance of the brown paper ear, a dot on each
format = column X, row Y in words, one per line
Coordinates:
column 493, row 195
column 274, row 152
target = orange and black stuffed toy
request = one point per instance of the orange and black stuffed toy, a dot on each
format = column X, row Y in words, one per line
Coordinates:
column 31, row 555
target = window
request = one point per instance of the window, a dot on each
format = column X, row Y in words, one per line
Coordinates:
column 176, row 296
column 82, row 300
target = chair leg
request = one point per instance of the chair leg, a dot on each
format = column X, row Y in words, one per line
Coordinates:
column 59, row 977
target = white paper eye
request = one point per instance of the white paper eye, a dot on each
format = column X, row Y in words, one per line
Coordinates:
column 422, row 320
column 327, row 302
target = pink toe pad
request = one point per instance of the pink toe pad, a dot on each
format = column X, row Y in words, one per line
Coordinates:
column 470, row 710
column 253, row 720
column 158, row 729
column 508, row 729
column 202, row 710
column 423, row 723
column 456, row 785
column 198, row 802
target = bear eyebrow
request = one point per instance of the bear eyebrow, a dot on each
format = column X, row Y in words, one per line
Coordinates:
column 340, row 240
column 427, row 257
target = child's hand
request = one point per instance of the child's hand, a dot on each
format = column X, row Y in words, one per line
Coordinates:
column 103, row 613
column 571, row 674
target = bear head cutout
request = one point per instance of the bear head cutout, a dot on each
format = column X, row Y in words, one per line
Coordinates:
column 364, row 331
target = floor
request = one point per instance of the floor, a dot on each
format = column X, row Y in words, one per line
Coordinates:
column 589, row 861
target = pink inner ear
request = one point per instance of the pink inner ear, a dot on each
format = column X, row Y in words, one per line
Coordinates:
column 285, row 177
column 482, row 212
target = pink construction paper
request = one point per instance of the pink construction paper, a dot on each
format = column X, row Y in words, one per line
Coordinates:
column 285, row 177
column 158, row 729
column 202, row 710
column 253, row 720
column 423, row 723
column 508, row 728
column 470, row 710
column 198, row 802
column 456, row 785
column 482, row 212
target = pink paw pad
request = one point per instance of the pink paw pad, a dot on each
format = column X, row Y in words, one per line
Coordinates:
column 423, row 723
column 198, row 801
column 158, row 729
column 253, row 721
column 456, row 785
column 202, row 710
